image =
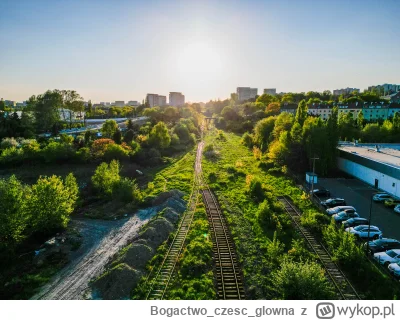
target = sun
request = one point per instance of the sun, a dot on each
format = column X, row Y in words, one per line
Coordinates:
column 199, row 59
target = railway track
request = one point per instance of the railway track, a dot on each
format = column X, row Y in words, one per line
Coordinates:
column 159, row 281
column 227, row 271
column 337, row 277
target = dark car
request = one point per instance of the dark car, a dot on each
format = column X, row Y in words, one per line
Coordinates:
column 333, row 202
column 381, row 245
column 354, row 222
column 345, row 215
column 321, row 192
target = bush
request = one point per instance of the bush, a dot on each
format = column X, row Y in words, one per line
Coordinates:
column 12, row 156
column 99, row 147
column 116, row 152
column 105, row 177
column 301, row 281
column 8, row 143
column 247, row 140
column 127, row 190
column 57, row 152
column 256, row 190
column 129, row 135
column 83, row 155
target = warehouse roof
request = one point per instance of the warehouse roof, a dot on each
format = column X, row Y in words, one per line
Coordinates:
column 388, row 154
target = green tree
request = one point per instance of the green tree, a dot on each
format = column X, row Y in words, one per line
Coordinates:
column 89, row 107
column 129, row 135
column 117, row 136
column 301, row 281
column 46, row 109
column 360, row 119
column 106, row 177
column 301, row 113
column 109, row 128
column 51, row 203
column 266, row 99
column 396, row 121
column 263, row 131
column 129, row 125
column 273, row 109
column 159, row 136
column 14, row 215
column 2, row 105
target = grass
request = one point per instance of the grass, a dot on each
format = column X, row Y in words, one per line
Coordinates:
column 229, row 171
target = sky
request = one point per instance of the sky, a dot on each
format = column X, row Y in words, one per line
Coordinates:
column 124, row 49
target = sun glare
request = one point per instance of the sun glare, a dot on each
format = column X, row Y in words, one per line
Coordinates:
column 199, row 60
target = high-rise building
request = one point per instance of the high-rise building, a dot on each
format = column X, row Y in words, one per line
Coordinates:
column 386, row 88
column 176, row 99
column 119, row 103
column 246, row 93
column 156, row 100
column 338, row 92
column 133, row 103
column 271, row 91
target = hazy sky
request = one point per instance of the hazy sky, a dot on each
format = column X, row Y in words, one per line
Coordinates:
column 121, row 50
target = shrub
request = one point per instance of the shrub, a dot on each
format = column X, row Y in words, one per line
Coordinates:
column 127, row 190
column 99, row 147
column 83, row 155
column 12, row 156
column 57, row 152
column 247, row 140
column 117, row 152
column 212, row 177
column 105, row 177
column 64, row 138
column 8, row 143
column 257, row 153
column 301, row 281
column 255, row 189
column 129, row 135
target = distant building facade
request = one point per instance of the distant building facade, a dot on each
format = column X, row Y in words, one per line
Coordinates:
column 338, row 92
column 386, row 88
column 246, row 93
column 176, row 99
column 372, row 111
column 133, row 103
column 271, row 91
column 154, row 99
column 119, row 103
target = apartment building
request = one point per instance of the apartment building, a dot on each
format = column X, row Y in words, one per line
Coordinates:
column 176, row 99
column 386, row 88
column 246, row 93
column 154, row 99
column 271, row 91
column 338, row 92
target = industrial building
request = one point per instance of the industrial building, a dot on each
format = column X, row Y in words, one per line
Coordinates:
column 377, row 165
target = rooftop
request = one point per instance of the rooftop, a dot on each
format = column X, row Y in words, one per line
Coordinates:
column 387, row 153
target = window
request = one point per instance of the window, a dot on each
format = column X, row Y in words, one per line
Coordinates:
column 393, row 184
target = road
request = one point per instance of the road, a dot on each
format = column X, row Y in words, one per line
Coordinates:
column 358, row 194
column 72, row 282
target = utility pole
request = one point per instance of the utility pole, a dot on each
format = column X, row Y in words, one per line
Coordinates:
column 313, row 171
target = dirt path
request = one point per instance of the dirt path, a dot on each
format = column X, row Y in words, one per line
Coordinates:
column 72, row 282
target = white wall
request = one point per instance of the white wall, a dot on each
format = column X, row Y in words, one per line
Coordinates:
column 368, row 175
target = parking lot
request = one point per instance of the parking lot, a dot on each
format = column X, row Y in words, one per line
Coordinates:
column 358, row 194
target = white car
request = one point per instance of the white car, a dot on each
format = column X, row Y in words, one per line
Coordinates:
column 395, row 268
column 338, row 209
column 397, row 208
column 380, row 197
column 388, row 257
column 361, row 232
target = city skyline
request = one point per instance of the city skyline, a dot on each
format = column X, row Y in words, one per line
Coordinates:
column 294, row 48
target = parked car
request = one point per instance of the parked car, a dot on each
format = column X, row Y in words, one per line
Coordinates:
column 394, row 268
column 345, row 215
column 354, row 222
column 391, row 202
column 380, row 197
column 361, row 232
column 338, row 209
column 397, row 208
column 333, row 202
column 381, row 245
column 321, row 192
column 388, row 257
